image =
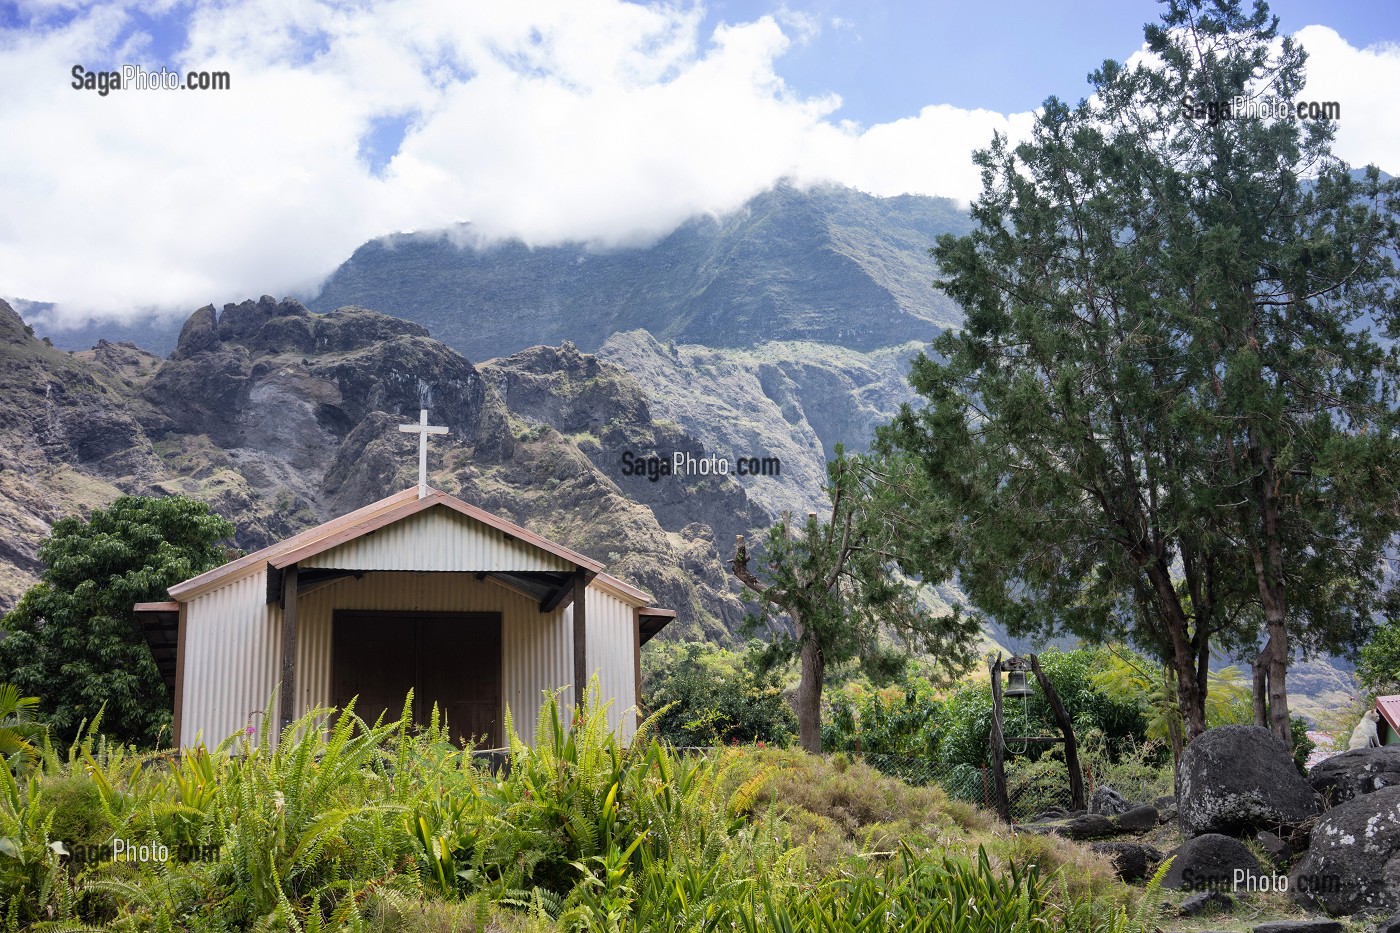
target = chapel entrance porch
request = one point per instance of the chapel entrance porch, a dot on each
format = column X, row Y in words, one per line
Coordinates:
column 452, row 659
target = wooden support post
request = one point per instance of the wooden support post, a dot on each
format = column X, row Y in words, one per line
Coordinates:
column 180, row 641
column 999, row 744
column 580, row 640
column 289, row 646
column 1076, row 779
column 637, row 662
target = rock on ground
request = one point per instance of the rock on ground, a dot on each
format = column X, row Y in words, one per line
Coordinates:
column 1138, row 819
column 1209, row 862
column 1206, row 902
column 1300, row 926
column 1240, row 779
column 1131, row 860
column 1107, row 801
column 1353, row 864
column 1360, row 771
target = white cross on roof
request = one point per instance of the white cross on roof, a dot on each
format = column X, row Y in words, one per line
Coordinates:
column 422, row 429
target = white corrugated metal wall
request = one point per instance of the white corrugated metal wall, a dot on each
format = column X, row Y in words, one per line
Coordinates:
column 233, row 636
column 437, row 539
column 536, row 647
column 610, row 656
column 233, row 652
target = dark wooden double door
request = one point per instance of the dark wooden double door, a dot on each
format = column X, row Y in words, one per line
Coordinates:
column 451, row 659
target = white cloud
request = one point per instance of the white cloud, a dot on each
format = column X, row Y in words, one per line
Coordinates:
column 593, row 120
column 1363, row 81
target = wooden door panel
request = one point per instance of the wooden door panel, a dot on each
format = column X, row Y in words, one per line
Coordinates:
column 453, row 660
column 460, row 666
column 376, row 660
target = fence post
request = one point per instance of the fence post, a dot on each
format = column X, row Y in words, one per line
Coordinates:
column 986, row 794
column 1089, row 769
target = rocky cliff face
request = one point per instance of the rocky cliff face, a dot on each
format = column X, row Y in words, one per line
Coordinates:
column 826, row 264
column 280, row 418
column 69, row 439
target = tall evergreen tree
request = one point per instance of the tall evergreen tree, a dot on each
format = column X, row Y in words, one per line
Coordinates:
column 73, row 639
column 1168, row 416
column 831, row 592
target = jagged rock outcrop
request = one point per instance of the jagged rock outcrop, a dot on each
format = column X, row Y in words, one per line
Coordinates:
column 280, row 418
column 1237, row 780
column 68, row 441
column 604, row 411
column 829, row 264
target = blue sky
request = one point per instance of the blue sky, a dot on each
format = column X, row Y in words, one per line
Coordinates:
column 895, row 57
column 602, row 121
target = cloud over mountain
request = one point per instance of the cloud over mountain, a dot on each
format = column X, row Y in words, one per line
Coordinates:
column 598, row 121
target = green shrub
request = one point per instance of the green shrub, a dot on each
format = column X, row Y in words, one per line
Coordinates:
column 78, row 817
column 346, row 826
column 712, row 696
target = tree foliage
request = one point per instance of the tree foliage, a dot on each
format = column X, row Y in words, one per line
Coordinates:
column 952, row 730
column 1379, row 667
column 73, row 638
column 832, row 593
column 1167, row 418
column 20, row 729
column 715, row 697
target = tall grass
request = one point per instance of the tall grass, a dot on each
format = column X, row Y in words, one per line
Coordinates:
column 348, row 825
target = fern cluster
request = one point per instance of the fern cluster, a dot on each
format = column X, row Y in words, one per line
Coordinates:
column 344, row 824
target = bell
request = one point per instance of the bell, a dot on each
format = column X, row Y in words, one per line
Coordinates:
column 1016, row 685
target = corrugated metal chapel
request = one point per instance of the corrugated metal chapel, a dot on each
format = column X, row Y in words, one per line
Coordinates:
column 472, row 612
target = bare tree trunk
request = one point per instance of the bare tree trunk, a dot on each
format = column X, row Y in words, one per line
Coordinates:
column 1269, row 575
column 1191, row 698
column 1267, row 553
column 1190, row 692
column 1174, row 730
column 1076, row 776
column 1280, row 722
column 809, row 695
column 1261, row 686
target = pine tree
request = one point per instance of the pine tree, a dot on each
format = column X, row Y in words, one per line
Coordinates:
column 1168, row 417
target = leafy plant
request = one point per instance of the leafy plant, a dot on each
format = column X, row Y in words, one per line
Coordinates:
column 73, row 637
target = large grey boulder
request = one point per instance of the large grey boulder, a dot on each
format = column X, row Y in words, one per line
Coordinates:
column 1359, row 771
column 1353, row 862
column 1236, row 780
column 1211, row 863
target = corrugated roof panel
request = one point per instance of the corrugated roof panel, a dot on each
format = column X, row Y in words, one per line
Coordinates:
column 438, row 539
column 1390, row 709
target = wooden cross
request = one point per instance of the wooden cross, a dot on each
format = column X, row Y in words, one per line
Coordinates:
column 422, row 429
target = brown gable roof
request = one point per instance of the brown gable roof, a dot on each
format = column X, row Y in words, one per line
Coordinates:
column 374, row 516
column 1389, row 707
